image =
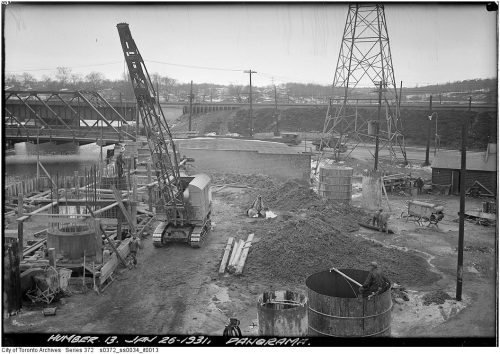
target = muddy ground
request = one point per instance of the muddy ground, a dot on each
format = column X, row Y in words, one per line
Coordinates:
column 178, row 290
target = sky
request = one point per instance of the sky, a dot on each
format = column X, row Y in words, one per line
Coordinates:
column 430, row 43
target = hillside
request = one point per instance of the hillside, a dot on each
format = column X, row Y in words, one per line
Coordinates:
column 482, row 127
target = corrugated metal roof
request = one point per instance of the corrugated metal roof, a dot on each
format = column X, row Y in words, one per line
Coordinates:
column 476, row 161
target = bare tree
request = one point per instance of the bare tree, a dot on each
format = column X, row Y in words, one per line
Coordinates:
column 168, row 85
column 63, row 75
column 27, row 79
column 75, row 79
column 95, row 80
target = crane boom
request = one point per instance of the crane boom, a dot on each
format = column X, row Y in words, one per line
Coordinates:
column 161, row 144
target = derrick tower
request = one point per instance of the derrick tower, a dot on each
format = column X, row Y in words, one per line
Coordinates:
column 364, row 67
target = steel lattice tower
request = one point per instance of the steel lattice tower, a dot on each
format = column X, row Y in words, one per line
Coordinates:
column 364, row 62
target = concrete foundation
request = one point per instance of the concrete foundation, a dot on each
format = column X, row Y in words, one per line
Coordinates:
column 283, row 166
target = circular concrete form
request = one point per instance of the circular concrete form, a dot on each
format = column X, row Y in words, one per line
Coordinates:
column 71, row 241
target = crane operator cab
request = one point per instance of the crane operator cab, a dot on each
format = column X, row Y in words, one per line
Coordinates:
column 198, row 200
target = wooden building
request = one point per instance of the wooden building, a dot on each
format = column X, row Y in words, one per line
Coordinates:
column 481, row 167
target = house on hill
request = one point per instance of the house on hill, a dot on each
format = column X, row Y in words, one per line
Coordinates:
column 481, row 170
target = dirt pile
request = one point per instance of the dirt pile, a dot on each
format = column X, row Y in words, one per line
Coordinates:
column 436, row 297
column 252, row 181
column 312, row 235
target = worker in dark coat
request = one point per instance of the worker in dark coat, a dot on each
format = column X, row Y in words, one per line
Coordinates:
column 375, row 283
column 134, row 246
column 119, row 164
column 420, row 185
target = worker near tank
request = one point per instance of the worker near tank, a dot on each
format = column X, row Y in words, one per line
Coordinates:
column 376, row 217
column 134, row 246
column 420, row 185
column 375, row 283
column 120, row 163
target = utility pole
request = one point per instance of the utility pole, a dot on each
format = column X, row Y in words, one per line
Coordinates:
column 460, row 262
column 377, row 140
column 250, row 96
column 190, row 105
column 276, row 111
column 211, row 96
column 427, row 163
column 436, row 136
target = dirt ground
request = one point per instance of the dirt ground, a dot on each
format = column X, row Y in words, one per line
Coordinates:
column 177, row 289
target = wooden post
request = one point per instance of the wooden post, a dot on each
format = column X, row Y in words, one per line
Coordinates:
column 134, row 200
column 463, row 169
column 77, row 189
column 119, row 227
column 150, row 198
column 385, row 193
column 20, row 231
column 98, row 242
column 20, row 238
column 52, row 257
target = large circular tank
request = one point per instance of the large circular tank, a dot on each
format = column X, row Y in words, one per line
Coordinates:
column 335, row 310
column 70, row 241
column 335, row 183
column 282, row 313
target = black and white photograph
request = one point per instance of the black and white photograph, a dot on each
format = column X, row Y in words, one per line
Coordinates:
column 249, row 174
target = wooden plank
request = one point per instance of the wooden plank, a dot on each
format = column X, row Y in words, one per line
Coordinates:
column 246, row 248
column 63, row 218
column 121, row 252
column 232, row 267
column 103, row 232
column 237, row 245
column 46, row 207
column 33, row 248
column 48, row 175
column 386, row 197
column 102, row 210
column 124, row 210
column 225, row 256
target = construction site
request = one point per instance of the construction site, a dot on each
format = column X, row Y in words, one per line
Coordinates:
column 253, row 220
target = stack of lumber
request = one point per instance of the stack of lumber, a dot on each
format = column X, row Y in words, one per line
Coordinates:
column 234, row 261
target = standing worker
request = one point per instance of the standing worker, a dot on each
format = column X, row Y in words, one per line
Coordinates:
column 375, row 283
column 420, row 185
column 134, row 246
column 120, row 163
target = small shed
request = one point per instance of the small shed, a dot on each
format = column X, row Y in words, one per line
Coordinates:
column 481, row 167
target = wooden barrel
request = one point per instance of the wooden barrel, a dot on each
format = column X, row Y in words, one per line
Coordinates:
column 334, row 309
column 282, row 313
column 335, row 183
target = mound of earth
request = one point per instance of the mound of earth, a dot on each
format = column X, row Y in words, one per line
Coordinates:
column 312, row 235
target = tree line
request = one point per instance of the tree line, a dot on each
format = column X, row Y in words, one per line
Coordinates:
column 170, row 89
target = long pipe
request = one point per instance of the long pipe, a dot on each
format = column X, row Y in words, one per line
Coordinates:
column 345, row 276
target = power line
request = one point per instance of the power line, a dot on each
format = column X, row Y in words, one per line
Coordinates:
column 69, row 67
column 193, row 66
